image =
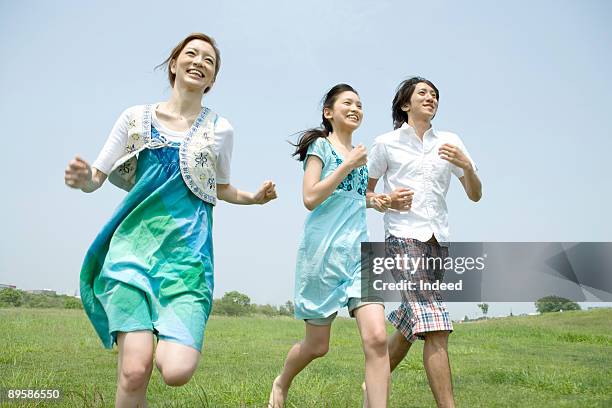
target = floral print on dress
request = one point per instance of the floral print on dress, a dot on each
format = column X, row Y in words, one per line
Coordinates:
column 356, row 180
column 362, row 186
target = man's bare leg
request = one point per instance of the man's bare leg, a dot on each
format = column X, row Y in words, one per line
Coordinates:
column 437, row 367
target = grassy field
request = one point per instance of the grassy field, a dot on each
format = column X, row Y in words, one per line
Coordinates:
column 554, row 360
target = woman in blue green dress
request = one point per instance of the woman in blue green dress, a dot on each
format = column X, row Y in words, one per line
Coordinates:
column 328, row 267
column 149, row 273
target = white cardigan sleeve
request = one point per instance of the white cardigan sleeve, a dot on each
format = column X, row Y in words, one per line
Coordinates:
column 224, row 144
column 115, row 144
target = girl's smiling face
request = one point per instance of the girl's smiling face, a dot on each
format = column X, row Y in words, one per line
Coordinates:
column 346, row 112
column 195, row 66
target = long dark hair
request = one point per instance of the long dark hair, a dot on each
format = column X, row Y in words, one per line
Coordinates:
column 306, row 137
column 403, row 93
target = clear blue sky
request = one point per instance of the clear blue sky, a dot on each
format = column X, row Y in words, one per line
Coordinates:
column 525, row 84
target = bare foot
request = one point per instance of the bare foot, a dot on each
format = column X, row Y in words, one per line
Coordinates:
column 277, row 395
column 365, row 395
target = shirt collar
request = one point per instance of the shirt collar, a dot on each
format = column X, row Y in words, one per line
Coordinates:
column 409, row 130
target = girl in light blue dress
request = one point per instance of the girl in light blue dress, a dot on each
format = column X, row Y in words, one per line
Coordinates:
column 328, row 267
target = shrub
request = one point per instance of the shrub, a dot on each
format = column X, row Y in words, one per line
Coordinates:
column 72, row 303
column 10, row 297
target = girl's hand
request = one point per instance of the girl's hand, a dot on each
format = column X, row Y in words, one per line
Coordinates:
column 380, row 202
column 401, row 199
column 78, row 173
column 357, row 157
column 267, row 192
column 454, row 155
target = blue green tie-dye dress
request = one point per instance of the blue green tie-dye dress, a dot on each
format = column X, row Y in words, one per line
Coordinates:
column 151, row 267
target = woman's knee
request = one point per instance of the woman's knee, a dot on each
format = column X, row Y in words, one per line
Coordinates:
column 176, row 372
column 176, row 362
column 134, row 375
column 316, row 350
column 375, row 341
column 175, row 375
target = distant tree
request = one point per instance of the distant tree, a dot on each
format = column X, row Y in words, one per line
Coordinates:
column 287, row 309
column 484, row 307
column 237, row 298
column 234, row 304
column 466, row 318
column 10, row 297
column 549, row 304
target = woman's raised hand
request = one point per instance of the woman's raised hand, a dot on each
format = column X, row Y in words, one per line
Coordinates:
column 357, row 157
column 78, row 173
column 380, row 202
column 267, row 192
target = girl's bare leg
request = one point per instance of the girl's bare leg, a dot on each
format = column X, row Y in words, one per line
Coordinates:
column 398, row 348
column 371, row 323
column 135, row 364
column 314, row 345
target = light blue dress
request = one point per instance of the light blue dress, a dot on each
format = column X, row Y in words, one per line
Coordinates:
column 328, row 270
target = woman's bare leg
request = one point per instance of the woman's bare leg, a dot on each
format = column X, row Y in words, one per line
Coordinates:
column 176, row 362
column 371, row 323
column 314, row 345
column 135, row 364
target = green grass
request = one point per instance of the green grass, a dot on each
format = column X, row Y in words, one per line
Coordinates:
column 554, row 360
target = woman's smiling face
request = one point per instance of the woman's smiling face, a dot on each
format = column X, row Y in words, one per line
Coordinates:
column 195, row 66
column 346, row 111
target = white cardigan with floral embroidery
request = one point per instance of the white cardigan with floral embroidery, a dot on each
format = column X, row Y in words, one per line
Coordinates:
column 197, row 158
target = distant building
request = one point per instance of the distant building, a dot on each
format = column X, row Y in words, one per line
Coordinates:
column 3, row 286
column 42, row 292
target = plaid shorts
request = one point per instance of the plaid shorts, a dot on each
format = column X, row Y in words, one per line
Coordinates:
column 421, row 311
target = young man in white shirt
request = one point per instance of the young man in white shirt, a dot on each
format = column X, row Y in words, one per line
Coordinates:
column 416, row 162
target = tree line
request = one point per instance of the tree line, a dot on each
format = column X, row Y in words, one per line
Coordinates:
column 231, row 304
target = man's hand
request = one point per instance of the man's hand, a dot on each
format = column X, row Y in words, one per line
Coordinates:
column 401, row 199
column 455, row 156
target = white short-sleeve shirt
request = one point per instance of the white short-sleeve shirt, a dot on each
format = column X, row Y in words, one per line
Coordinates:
column 403, row 160
column 115, row 144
